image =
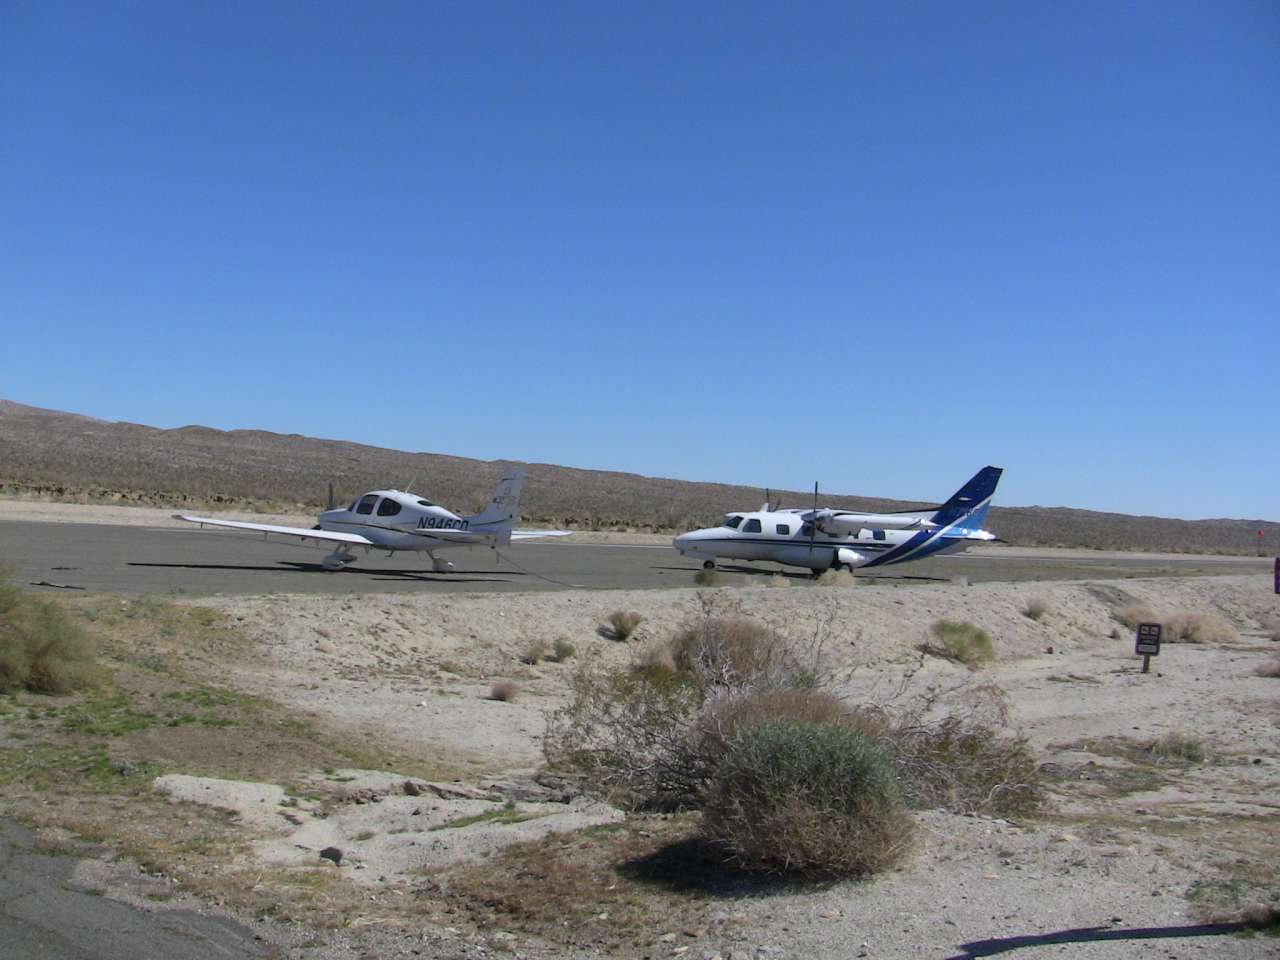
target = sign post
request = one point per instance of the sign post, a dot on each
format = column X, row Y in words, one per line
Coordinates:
column 1148, row 644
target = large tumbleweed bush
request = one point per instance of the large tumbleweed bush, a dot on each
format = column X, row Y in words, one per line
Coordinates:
column 802, row 797
column 41, row 648
column 965, row 761
column 634, row 732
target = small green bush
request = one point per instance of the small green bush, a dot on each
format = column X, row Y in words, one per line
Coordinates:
column 962, row 642
column 562, row 650
column 707, row 578
column 809, row 798
column 623, row 624
column 535, row 654
column 41, row 648
column 1035, row 609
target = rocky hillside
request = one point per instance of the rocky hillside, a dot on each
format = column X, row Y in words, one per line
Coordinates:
column 71, row 457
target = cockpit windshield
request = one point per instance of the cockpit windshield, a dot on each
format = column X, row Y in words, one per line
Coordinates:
column 732, row 521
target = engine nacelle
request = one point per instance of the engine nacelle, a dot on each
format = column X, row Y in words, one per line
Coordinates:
column 849, row 558
column 848, row 524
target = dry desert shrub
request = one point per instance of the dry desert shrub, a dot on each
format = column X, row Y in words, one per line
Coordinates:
column 505, row 691
column 623, row 623
column 1177, row 747
column 562, row 650
column 41, row 648
column 961, row 642
column 1035, row 609
column 634, row 732
column 1197, row 628
column 707, row 578
column 734, row 652
column 1135, row 614
column 1269, row 668
column 778, row 580
column 810, row 798
column 836, row 578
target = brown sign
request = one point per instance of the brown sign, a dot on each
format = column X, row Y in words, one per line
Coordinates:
column 1148, row 644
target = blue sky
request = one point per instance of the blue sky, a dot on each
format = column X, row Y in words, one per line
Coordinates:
column 874, row 245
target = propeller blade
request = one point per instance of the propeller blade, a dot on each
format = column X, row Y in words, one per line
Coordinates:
column 329, row 505
column 813, row 523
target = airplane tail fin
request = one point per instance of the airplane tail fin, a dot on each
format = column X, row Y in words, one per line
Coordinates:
column 499, row 516
column 967, row 507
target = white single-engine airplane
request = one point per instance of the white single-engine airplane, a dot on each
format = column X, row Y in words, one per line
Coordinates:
column 392, row 520
column 824, row 539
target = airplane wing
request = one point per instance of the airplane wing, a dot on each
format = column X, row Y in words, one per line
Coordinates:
column 531, row 534
column 302, row 533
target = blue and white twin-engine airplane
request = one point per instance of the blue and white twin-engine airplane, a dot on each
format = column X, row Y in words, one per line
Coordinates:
column 825, row 539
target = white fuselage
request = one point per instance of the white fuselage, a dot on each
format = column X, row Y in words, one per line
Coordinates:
column 394, row 520
column 785, row 537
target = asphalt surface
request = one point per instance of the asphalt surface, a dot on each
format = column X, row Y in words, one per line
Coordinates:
column 126, row 559
column 46, row 915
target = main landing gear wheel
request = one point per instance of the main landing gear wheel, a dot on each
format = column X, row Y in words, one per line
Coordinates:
column 334, row 562
column 708, row 564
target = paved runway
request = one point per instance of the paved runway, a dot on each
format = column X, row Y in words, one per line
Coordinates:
column 167, row 560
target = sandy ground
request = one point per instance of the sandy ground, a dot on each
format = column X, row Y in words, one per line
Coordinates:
column 417, row 671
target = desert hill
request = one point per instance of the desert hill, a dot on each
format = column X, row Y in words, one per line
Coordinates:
column 68, row 456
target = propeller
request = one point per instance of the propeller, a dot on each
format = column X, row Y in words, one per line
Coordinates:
column 329, row 504
column 813, row 522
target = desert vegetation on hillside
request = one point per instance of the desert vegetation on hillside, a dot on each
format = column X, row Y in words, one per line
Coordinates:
column 63, row 456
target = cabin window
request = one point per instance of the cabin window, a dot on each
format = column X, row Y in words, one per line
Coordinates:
column 388, row 507
column 425, row 503
column 806, row 530
column 366, row 503
column 877, row 534
column 354, row 504
column 751, row 526
column 783, row 529
column 732, row 523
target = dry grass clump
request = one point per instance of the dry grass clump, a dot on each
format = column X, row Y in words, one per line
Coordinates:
column 504, row 691
column 708, row 578
column 535, row 654
column 778, row 580
column 1269, row 668
column 836, row 578
column 1135, row 614
column 734, row 652
column 1178, row 747
column 961, row 642
column 562, row 650
column 1184, row 627
column 623, row 623
column 1197, row 628
column 811, row 798
column 41, row 648
column 1035, row 609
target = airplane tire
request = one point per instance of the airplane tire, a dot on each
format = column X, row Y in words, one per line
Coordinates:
column 708, row 564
